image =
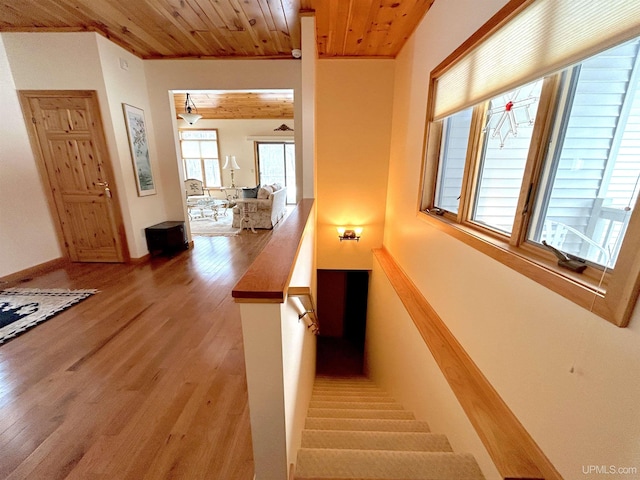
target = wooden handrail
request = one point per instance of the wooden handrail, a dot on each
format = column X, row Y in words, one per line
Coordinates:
column 310, row 308
column 267, row 279
column 514, row 453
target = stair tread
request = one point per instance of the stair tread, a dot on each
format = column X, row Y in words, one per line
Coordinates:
column 352, row 398
column 368, row 384
column 355, row 430
column 384, row 464
column 345, row 379
column 357, row 405
column 359, row 413
column 349, row 391
column 367, row 440
column 366, row 424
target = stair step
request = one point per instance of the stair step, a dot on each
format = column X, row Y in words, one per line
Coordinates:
column 407, row 441
column 348, row 383
column 366, row 424
column 383, row 464
column 358, row 379
column 356, row 405
column 352, row 398
column 345, row 384
column 348, row 391
column 359, row 413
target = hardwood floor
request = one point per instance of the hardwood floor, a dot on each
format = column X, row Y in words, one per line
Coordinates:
column 144, row 380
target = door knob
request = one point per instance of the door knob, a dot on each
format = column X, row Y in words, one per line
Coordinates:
column 107, row 190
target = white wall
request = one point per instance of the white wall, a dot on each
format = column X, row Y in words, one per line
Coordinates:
column 263, row 356
column 299, row 344
column 27, row 232
column 392, row 344
column 570, row 377
column 130, row 87
column 306, row 108
column 233, row 137
column 87, row 61
column 353, row 128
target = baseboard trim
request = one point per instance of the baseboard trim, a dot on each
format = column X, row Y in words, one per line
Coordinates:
column 139, row 260
column 27, row 273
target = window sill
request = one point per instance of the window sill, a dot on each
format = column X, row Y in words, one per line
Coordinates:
column 584, row 290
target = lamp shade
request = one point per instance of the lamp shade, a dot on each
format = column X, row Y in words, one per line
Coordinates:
column 230, row 163
column 190, row 118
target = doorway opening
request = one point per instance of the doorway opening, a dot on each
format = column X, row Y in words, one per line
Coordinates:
column 342, row 311
column 238, row 143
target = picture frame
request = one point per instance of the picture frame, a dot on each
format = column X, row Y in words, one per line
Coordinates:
column 139, row 146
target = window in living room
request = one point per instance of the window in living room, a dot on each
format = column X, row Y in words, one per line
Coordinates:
column 201, row 156
column 543, row 173
column 276, row 163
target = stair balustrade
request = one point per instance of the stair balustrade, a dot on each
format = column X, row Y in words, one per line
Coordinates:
column 279, row 348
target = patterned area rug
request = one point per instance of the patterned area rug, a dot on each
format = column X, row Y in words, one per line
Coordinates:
column 23, row 308
column 209, row 227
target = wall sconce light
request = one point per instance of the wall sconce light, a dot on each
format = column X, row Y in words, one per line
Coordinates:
column 349, row 233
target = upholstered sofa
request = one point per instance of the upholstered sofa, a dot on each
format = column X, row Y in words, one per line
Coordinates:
column 264, row 211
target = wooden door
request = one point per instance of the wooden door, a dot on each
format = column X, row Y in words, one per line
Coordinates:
column 68, row 137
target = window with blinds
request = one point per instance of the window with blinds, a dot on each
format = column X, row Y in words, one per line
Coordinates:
column 545, row 167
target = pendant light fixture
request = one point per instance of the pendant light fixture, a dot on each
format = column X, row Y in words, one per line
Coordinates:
column 187, row 116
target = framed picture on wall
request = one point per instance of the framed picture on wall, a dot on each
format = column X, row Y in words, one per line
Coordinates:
column 138, row 143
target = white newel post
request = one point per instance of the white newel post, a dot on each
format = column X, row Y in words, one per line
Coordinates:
column 261, row 329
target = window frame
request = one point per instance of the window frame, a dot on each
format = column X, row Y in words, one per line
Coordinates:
column 202, row 159
column 611, row 294
column 283, row 143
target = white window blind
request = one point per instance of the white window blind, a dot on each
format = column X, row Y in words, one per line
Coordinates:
column 544, row 37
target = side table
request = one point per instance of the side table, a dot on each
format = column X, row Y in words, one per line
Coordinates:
column 247, row 206
column 166, row 237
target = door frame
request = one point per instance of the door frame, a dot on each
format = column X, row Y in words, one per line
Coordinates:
column 101, row 144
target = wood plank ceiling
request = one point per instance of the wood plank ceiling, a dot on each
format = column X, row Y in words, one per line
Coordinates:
column 365, row 28
column 266, row 104
column 260, row 29
column 225, row 28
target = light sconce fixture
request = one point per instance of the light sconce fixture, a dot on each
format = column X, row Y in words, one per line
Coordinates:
column 231, row 164
column 349, row 233
column 187, row 116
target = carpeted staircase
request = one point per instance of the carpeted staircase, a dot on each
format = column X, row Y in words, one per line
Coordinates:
column 354, row 430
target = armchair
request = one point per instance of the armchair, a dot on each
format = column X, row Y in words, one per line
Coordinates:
column 194, row 192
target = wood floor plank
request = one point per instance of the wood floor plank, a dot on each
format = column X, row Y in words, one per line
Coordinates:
column 145, row 379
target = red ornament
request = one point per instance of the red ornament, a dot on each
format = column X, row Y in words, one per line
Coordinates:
column 508, row 106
